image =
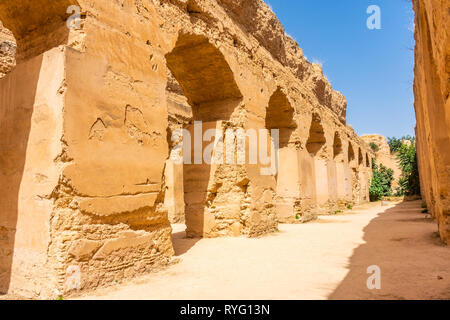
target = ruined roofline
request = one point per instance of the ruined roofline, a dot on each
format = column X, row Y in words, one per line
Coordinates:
column 308, row 82
column 284, row 49
column 256, row 30
column 284, row 62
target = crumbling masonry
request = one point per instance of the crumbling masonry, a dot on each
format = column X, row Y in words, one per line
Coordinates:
column 88, row 185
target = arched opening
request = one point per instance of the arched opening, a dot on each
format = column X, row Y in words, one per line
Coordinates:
column 179, row 117
column 205, row 77
column 316, row 147
column 367, row 161
column 351, row 154
column 360, row 157
column 280, row 116
column 354, row 185
column 37, row 25
column 358, row 188
column 338, row 151
column 339, row 180
column 8, row 50
column 208, row 84
column 316, row 140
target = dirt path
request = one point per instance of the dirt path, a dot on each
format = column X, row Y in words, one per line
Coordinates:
column 326, row 259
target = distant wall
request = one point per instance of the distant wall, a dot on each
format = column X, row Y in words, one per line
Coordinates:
column 384, row 156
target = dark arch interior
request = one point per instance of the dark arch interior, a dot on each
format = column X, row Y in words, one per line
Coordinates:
column 316, row 139
column 202, row 75
column 351, row 153
column 37, row 25
column 205, row 78
column 280, row 115
column 338, row 152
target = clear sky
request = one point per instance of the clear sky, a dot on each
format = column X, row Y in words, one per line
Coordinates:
column 372, row 68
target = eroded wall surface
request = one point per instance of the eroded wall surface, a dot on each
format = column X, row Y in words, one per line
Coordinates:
column 91, row 113
column 432, row 105
column 7, row 51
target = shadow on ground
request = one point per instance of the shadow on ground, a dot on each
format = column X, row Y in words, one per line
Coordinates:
column 414, row 263
column 182, row 244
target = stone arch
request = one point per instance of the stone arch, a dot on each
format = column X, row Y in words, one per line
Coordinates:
column 340, row 178
column 205, row 77
column 316, row 147
column 360, row 157
column 37, row 25
column 338, row 151
column 351, row 154
column 208, row 84
column 316, row 140
column 280, row 116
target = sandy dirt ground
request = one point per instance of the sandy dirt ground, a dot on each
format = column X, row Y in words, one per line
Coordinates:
column 326, row 259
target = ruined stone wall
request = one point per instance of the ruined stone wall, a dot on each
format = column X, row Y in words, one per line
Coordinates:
column 89, row 184
column 432, row 105
column 384, row 156
column 7, row 51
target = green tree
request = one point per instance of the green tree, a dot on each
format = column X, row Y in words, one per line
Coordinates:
column 381, row 182
column 374, row 147
column 395, row 144
column 409, row 181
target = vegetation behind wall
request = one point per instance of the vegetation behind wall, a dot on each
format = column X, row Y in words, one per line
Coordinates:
column 381, row 183
column 404, row 149
column 396, row 143
column 409, row 181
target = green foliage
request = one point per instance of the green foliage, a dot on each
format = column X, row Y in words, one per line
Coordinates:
column 374, row 147
column 395, row 144
column 381, row 183
column 349, row 207
column 409, row 181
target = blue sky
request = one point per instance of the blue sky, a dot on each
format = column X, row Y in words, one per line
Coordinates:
column 372, row 68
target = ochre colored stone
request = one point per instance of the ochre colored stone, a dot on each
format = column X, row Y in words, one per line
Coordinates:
column 432, row 105
column 384, row 156
column 88, row 178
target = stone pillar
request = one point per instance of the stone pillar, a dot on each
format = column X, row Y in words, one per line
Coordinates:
column 31, row 113
column 321, row 172
column 307, row 182
column 174, row 196
column 332, row 185
column 342, row 184
column 85, row 125
column 288, row 192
